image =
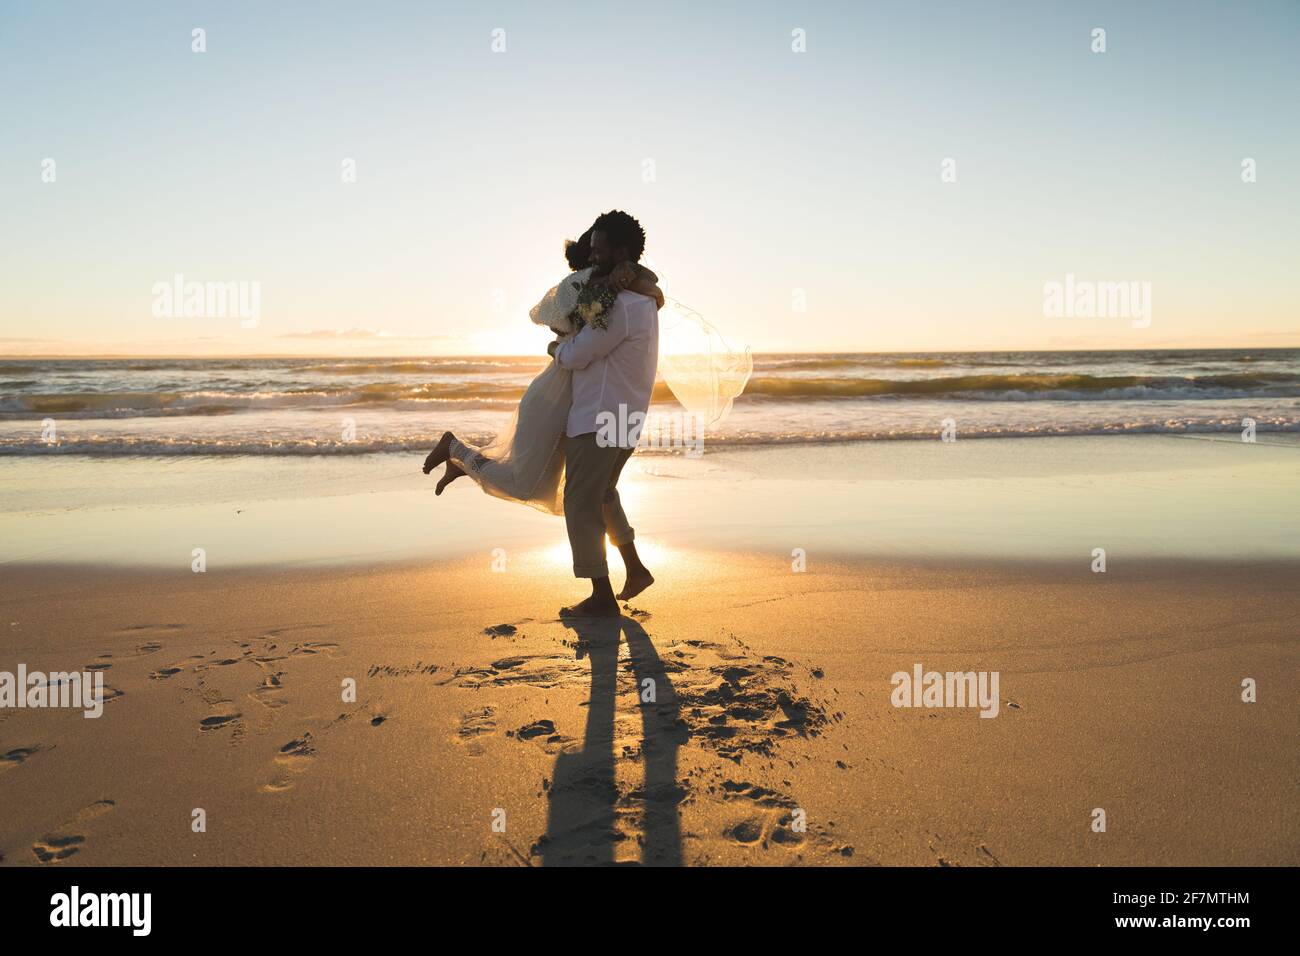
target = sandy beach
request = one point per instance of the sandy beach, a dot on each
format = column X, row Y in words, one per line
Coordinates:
column 486, row 730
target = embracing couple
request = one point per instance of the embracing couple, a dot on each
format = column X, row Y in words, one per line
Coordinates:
column 560, row 453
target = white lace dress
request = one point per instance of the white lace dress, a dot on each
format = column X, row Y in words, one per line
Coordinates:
column 525, row 461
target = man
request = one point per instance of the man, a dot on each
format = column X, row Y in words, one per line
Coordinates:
column 613, row 375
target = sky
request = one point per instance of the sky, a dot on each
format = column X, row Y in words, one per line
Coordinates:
column 795, row 199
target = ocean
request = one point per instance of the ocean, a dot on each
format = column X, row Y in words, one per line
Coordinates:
column 358, row 406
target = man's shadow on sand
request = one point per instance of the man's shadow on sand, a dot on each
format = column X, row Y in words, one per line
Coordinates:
column 582, row 825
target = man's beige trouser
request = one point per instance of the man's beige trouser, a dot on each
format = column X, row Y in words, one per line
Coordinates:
column 591, row 505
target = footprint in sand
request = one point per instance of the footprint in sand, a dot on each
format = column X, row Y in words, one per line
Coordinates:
column 163, row 673
column 294, row 758
column 747, row 831
column 96, row 809
column 16, row 756
column 543, row 732
column 775, row 828
column 57, row 846
column 218, row 720
column 298, row 755
column 537, row 728
column 53, row 848
column 473, row 725
column 140, row 650
column 224, row 715
column 768, row 821
column 270, row 693
column 315, row 647
column 763, row 796
column 219, row 662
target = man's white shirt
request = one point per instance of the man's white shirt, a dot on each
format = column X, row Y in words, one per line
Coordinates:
column 613, row 367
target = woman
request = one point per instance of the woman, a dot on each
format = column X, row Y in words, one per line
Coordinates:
column 525, row 462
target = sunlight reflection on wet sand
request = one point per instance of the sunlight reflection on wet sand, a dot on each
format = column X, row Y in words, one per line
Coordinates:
column 1013, row 498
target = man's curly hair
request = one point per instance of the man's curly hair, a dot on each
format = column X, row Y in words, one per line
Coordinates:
column 622, row 230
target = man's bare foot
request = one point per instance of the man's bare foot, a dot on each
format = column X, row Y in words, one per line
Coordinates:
column 441, row 452
column 598, row 605
column 637, row 581
column 454, row 471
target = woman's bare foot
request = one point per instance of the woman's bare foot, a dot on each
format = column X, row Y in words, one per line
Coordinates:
column 637, row 581
column 441, row 452
column 454, row 471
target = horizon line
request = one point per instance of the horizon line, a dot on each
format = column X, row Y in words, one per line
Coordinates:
column 132, row 356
